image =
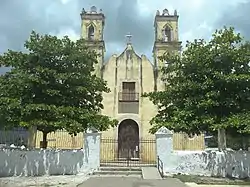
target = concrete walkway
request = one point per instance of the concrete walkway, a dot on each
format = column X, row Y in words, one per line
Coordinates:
column 150, row 173
column 207, row 185
column 130, row 182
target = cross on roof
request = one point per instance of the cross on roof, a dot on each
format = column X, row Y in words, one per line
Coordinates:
column 129, row 36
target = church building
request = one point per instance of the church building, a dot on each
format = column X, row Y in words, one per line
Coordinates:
column 129, row 75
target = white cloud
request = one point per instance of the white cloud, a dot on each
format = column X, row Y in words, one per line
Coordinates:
column 195, row 4
column 67, row 32
column 65, row 1
column 197, row 17
column 61, row 17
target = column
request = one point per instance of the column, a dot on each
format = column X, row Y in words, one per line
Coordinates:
column 164, row 147
column 92, row 142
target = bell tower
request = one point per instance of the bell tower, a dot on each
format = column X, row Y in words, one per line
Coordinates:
column 92, row 27
column 166, row 39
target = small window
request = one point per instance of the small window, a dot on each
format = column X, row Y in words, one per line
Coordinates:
column 167, row 34
column 91, row 32
column 128, row 87
column 128, row 91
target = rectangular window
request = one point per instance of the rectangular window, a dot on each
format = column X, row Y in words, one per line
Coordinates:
column 128, row 91
column 128, row 99
column 128, row 87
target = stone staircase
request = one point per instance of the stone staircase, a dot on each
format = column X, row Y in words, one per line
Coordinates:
column 124, row 169
column 107, row 171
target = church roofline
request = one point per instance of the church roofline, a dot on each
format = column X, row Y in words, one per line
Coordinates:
column 92, row 14
column 117, row 56
column 147, row 59
column 129, row 47
column 165, row 16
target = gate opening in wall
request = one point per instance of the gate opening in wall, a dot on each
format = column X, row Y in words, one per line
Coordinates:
column 128, row 149
column 128, row 153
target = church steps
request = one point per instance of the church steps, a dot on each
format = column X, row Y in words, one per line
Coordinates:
column 133, row 176
column 125, row 164
column 119, row 171
column 116, row 172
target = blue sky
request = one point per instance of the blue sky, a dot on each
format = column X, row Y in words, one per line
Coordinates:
column 198, row 19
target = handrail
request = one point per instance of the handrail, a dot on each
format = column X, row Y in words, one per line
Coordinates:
column 128, row 96
column 160, row 166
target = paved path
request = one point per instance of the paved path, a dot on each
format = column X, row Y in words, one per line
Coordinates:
column 130, row 182
column 207, row 185
column 150, row 173
column 51, row 181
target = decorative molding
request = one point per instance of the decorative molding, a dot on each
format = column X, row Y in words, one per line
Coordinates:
column 164, row 130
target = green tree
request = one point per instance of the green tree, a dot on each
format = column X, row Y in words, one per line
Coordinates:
column 52, row 87
column 207, row 87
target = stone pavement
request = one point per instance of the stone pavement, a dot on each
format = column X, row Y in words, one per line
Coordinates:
column 130, row 182
column 150, row 173
column 51, row 181
column 207, row 185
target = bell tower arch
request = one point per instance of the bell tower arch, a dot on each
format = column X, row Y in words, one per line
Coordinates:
column 166, row 40
column 92, row 27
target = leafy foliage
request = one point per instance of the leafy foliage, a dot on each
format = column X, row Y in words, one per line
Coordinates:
column 52, row 86
column 207, row 87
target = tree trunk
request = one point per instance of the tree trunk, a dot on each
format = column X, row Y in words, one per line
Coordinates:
column 44, row 142
column 32, row 137
column 244, row 143
column 222, row 142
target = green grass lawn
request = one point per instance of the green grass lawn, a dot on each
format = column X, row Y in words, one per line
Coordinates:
column 211, row 180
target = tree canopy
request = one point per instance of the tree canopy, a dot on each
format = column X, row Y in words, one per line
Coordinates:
column 207, row 86
column 52, row 86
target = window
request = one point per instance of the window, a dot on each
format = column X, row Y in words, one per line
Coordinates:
column 91, row 31
column 167, row 34
column 128, row 92
column 128, row 99
column 128, row 87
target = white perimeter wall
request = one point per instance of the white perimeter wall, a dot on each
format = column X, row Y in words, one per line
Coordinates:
column 207, row 163
column 16, row 162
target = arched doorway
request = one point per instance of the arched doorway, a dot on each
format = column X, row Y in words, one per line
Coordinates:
column 128, row 139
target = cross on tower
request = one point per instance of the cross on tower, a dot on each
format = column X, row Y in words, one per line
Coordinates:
column 129, row 36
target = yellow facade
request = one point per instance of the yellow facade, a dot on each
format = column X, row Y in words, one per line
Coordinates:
column 130, row 67
column 61, row 140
